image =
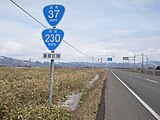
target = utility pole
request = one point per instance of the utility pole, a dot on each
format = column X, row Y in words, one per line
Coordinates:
column 101, row 63
column 128, row 63
column 134, row 62
column 142, row 62
column 29, row 62
column 143, row 55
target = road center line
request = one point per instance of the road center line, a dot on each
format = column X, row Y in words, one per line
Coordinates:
column 139, row 99
column 151, row 80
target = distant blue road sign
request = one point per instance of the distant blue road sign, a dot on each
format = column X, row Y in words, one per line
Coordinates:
column 53, row 14
column 52, row 38
column 109, row 59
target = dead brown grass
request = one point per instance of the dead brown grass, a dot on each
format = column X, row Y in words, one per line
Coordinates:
column 24, row 92
column 88, row 110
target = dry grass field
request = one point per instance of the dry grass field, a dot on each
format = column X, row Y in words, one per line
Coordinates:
column 24, row 92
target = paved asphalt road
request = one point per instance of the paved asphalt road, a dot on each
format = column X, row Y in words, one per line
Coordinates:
column 120, row 100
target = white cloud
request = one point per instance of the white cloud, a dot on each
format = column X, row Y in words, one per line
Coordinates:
column 121, row 32
column 85, row 27
column 143, row 3
column 131, row 4
column 10, row 47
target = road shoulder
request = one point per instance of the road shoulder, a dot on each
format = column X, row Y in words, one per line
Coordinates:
column 120, row 104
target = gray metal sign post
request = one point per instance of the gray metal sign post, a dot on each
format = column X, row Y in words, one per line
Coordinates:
column 51, row 56
column 52, row 38
column 51, row 81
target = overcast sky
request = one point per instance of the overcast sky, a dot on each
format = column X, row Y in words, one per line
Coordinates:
column 96, row 27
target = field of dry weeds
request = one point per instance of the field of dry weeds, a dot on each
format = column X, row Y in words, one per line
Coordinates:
column 24, row 92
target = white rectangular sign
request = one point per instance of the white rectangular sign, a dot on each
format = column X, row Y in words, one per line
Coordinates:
column 52, row 56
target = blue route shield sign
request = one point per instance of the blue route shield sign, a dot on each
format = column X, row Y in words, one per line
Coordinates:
column 53, row 14
column 109, row 59
column 52, row 38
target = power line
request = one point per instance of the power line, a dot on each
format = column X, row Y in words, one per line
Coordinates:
column 76, row 49
column 27, row 13
column 46, row 27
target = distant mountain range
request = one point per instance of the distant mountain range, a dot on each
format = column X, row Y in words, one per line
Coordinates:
column 6, row 61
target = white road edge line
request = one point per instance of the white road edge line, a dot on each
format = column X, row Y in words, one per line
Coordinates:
column 139, row 99
column 151, row 80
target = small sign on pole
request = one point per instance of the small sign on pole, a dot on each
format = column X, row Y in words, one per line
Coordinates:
column 56, row 56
